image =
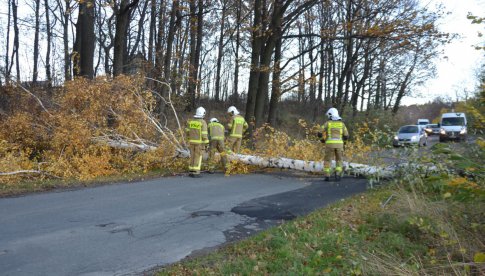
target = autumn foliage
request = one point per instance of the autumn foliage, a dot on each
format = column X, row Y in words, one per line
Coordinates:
column 70, row 134
column 65, row 140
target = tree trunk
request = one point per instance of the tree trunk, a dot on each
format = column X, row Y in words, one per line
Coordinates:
column 195, row 46
column 361, row 82
column 123, row 14
column 35, row 72
column 84, row 44
column 235, row 94
column 198, row 48
column 178, row 64
column 172, row 28
column 151, row 33
column 15, row 52
column 65, row 39
column 256, row 42
column 48, row 72
column 276, row 87
column 262, row 94
column 220, row 52
column 159, row 57
column 301, row 70
column 318, row 104
column 7, row 46
column 404, row 84
column 140, row 32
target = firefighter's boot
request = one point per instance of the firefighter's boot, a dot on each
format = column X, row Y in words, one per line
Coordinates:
column 337, row 177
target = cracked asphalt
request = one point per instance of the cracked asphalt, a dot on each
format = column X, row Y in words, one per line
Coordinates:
column 128, row 229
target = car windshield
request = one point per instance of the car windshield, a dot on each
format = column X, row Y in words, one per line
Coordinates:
column 432, row 125
column 422, row 123
column 453, row 121
column 408, row 129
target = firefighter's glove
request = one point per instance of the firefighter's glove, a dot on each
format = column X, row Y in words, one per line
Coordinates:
column 346, row 138
column 319, row 135
column 323, row 141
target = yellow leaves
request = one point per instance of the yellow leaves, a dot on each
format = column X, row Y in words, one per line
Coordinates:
column 463, row 183
column 63, row 143
column 234, row 167
column 458, row 181
column 274, row 143
column 479, row 257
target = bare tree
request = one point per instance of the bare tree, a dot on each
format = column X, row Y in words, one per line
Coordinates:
column 196, row 26
column 48, row 26
column 123, row 11
column 7, row 46
column 220, row 50
column 15, row 52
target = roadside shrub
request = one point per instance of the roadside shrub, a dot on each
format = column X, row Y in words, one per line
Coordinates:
column 69, row 140
column 442, row 211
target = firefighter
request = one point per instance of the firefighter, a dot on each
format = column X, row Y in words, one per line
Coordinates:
column 198, row 141
column 333, row 135
column 216, row 143
column 237, row 126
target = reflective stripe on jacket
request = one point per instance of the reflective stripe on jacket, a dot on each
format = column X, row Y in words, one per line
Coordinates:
column 237, row 126
column 216, row 131
column 197, row 131
column 334, row 131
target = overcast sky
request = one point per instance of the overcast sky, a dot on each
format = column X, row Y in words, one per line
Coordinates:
column 456, row 72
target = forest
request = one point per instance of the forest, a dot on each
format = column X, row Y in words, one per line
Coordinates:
column 350, row 54
column 88, row 86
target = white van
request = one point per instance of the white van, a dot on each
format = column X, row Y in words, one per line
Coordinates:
column 453, row 126
column 422, row 122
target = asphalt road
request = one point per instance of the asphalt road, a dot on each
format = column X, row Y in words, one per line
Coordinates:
column 131, row 228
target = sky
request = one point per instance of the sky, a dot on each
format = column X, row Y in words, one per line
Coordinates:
column 456, row 70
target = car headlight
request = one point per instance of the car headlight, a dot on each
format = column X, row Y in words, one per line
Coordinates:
column 414, row 138
column 442, row 131
column 396, row 138
column 463, row 131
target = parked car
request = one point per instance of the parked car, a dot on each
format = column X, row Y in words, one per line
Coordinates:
column 410, row 135
column 432, row 129
column 453, row 126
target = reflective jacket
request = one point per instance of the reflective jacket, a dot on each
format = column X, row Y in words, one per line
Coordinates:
column 216, row 131
column 237, row 126
column 333, row 133
column 197, row 131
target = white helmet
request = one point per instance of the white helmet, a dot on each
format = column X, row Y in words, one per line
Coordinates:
column 332, row 114
column 214, row 120
column 233, row 110
column 199, row 112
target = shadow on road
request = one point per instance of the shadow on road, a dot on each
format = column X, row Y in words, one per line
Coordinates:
column 272, row 210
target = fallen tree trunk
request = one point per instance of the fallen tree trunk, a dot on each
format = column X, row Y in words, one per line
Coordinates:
column 312, row 166
column 351, row 168
column 317, row 166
